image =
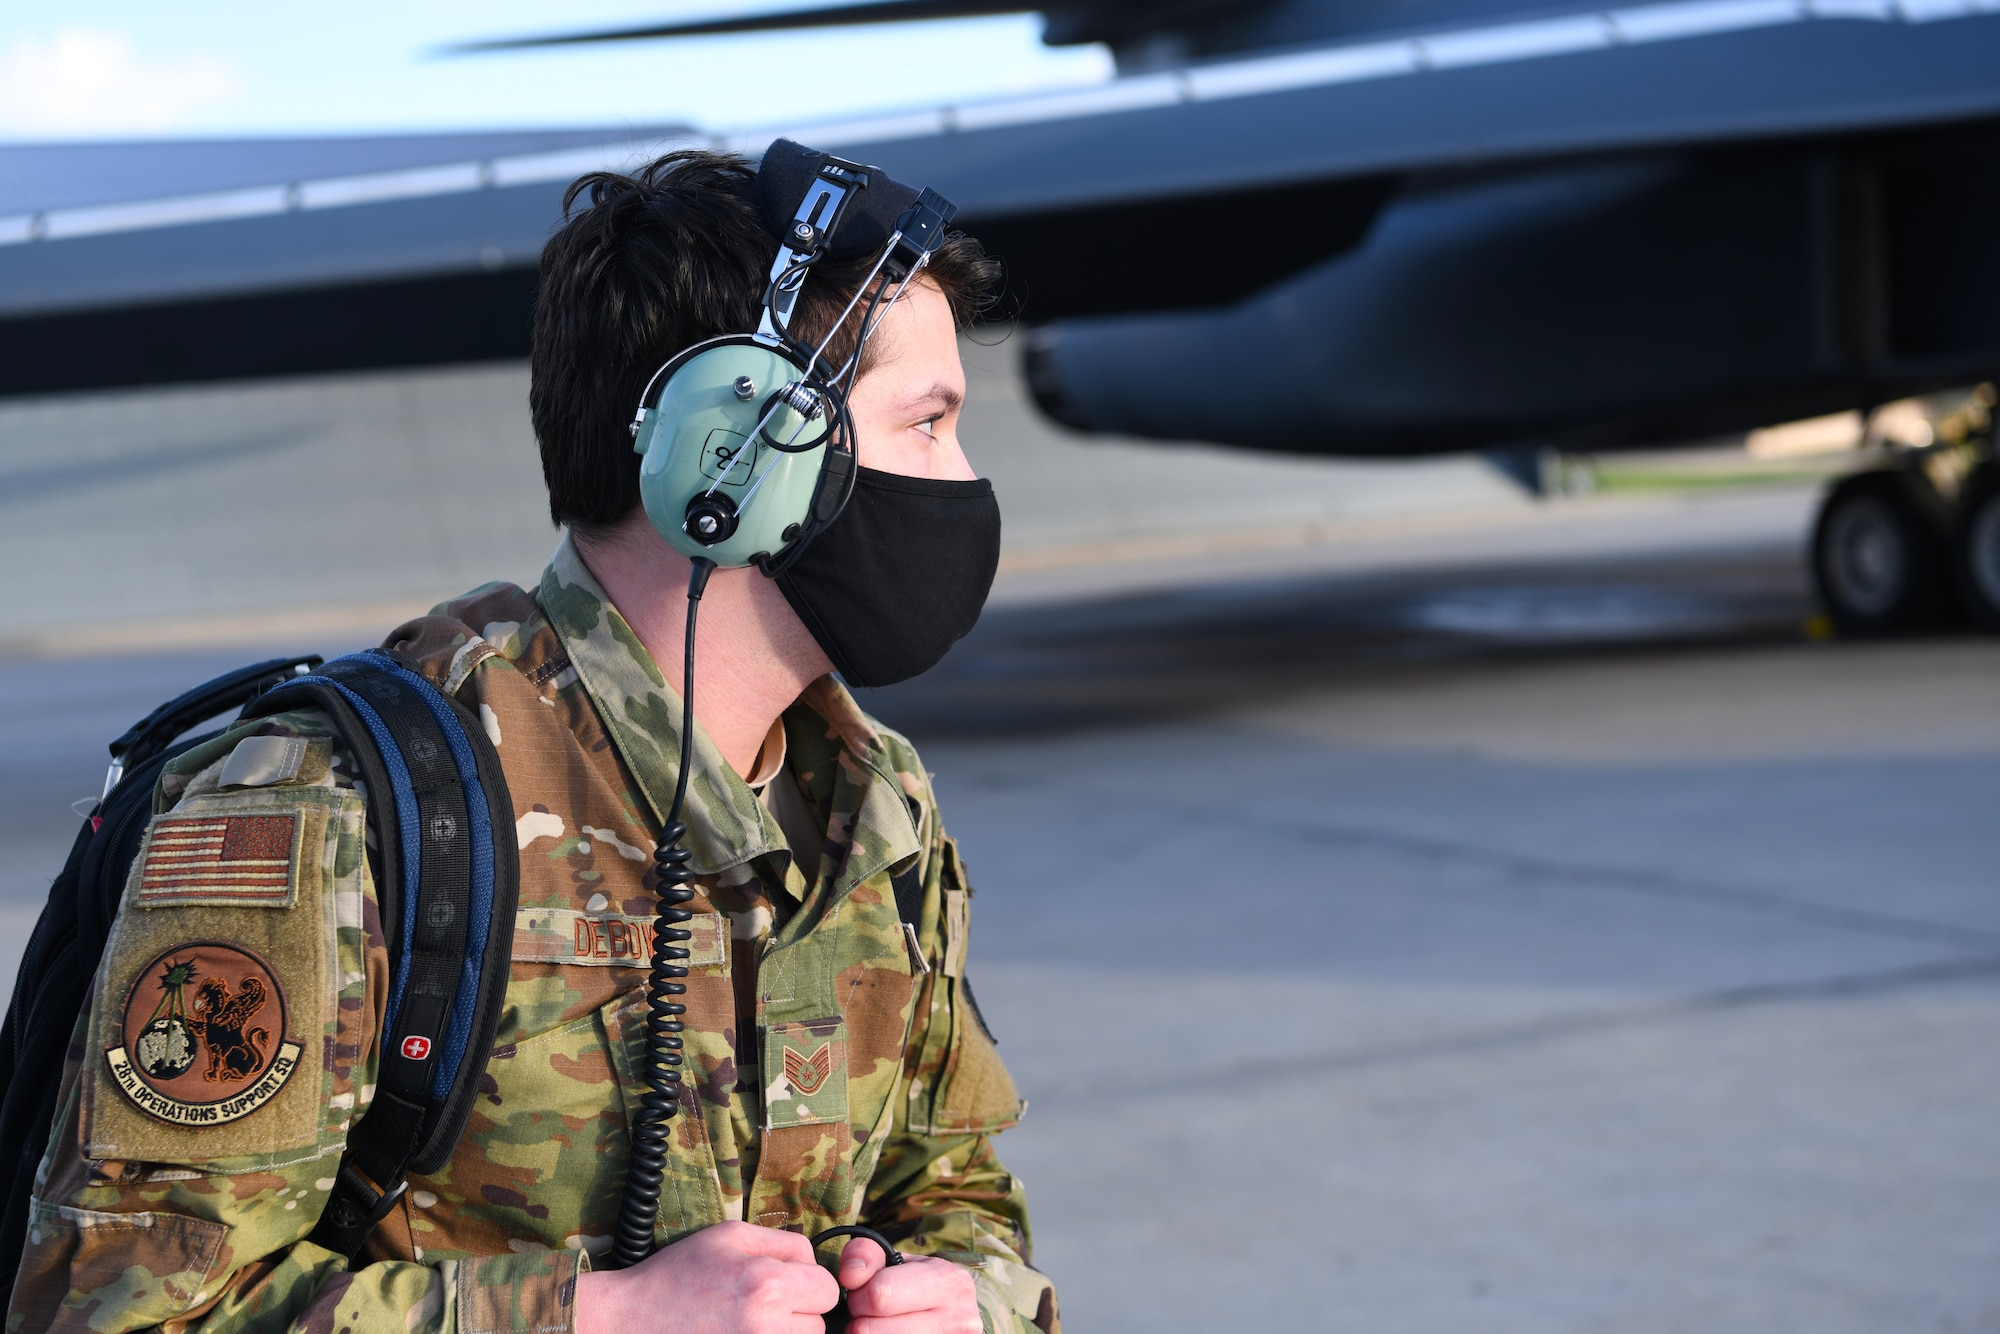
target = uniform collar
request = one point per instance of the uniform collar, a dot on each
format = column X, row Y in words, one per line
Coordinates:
column 727, row 825
column 832, row 746
column 837, row 753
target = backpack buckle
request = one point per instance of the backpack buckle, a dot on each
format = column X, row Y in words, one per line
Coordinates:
column 353, row 1209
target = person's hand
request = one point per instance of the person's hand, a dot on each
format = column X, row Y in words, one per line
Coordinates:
column 922, row 1295
column 733, row 1278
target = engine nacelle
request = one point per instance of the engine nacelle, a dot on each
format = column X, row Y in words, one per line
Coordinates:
column 1658, row 298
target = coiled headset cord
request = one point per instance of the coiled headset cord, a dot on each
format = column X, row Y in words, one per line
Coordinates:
column 640, row 1208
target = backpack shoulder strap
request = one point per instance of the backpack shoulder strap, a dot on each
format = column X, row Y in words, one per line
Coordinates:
column 448, row 881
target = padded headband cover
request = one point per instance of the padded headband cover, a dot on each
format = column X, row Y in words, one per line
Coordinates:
column 787, row 172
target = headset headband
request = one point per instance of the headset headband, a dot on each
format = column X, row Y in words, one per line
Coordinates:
column 824, row 207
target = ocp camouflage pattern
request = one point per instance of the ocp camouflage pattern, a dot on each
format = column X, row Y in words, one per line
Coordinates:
column 870, row 1090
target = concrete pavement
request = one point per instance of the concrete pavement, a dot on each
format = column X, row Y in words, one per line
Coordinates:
column 1601, row 992
column 1566, row 971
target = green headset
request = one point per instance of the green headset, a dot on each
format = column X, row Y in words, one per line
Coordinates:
column 746, row 441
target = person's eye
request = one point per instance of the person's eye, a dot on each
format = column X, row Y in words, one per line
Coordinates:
column 928, row 427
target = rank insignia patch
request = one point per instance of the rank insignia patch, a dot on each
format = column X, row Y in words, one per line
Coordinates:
column 204, row 1036
column 806, row 1073
column 219, row 859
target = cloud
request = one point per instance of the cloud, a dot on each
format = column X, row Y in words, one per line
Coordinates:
column 93, row 81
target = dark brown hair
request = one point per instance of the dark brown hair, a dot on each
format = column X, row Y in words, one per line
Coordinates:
column 651, row 264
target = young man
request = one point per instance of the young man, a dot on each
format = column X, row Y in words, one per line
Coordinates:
column 837, row 1068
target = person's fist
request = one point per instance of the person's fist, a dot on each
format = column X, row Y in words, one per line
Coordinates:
column 733, row 1278
column 922, row 1295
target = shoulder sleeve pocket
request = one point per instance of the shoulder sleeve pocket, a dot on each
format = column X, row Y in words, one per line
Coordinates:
column 212, row 1027
column 974, row 1092
column 977, row 1094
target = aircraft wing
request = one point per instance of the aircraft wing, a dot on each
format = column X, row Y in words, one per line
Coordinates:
column 138, row 263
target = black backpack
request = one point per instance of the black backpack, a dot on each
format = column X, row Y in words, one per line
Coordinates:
column 447, row 878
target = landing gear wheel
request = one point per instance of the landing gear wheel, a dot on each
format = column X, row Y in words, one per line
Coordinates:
column 1879, row 554
column 1979, row 549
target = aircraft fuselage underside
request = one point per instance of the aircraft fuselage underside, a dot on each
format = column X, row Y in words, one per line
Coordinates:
column 1635, row 225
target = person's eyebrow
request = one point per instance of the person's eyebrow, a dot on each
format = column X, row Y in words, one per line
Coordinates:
column 941, row 396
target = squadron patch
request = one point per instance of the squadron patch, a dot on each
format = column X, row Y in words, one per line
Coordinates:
column 204, row 1036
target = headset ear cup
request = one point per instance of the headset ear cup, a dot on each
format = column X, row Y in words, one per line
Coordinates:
column 711, row 482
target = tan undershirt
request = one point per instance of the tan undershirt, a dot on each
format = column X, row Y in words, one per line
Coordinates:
column 779, row 791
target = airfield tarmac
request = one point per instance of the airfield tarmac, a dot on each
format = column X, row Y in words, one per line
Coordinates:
column 1520, row 946
column 1494, row 920
column 1533, row 944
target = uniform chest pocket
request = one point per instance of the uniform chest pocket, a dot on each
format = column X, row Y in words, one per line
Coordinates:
column 544, row 1151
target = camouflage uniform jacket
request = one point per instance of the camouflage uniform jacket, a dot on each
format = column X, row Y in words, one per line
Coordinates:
column 874, row 1089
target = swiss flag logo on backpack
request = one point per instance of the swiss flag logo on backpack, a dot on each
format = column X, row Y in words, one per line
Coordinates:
column 416, row 1048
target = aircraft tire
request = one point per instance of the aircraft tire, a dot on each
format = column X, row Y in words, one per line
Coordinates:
column 1979, row 548
column 1880, row 554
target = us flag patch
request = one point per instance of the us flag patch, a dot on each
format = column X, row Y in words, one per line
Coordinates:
column 219, row 859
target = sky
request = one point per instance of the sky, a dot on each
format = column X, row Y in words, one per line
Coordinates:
column 98, row 69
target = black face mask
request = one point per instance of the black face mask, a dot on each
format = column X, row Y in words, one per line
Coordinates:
column 899, row 577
